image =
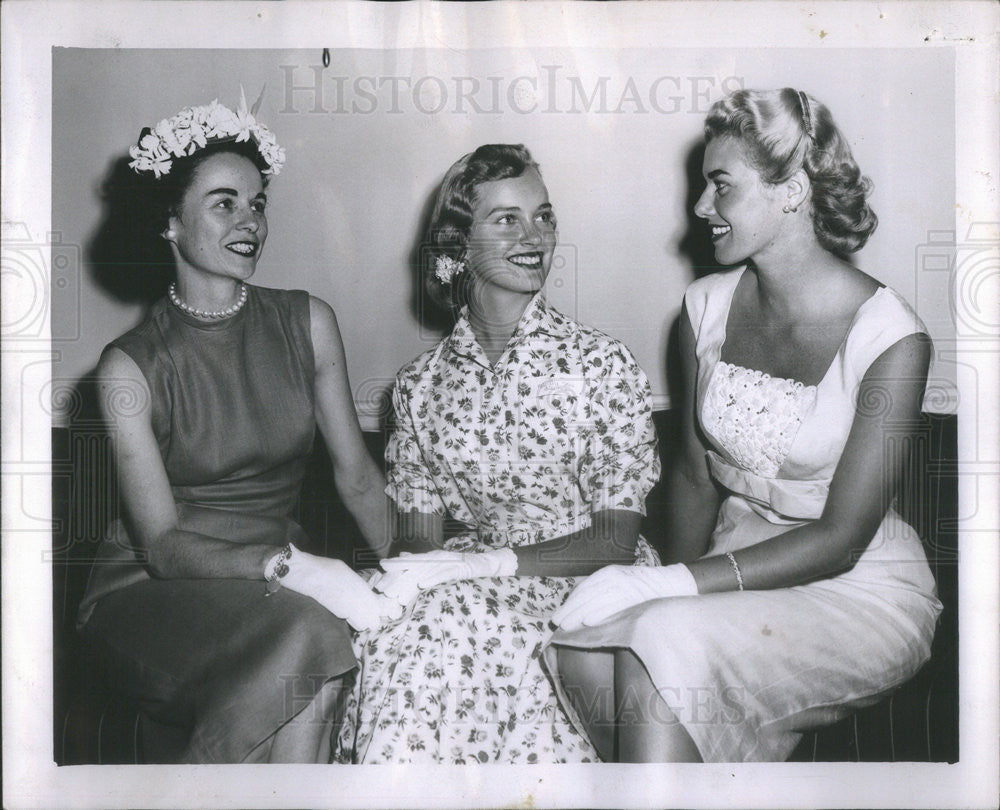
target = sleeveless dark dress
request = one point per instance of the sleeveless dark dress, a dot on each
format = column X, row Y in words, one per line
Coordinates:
column 233, row 413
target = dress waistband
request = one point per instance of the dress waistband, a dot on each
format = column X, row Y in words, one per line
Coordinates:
column 789, row 498
column 511, row 536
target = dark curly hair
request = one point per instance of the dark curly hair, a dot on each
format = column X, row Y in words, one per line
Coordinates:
column 785, row 130
column 130, row 257
column 451, row 219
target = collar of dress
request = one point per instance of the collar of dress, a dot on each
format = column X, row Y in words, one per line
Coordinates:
column 538, row 318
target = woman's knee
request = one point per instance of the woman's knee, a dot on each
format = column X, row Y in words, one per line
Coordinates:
column 325, row 704
column 587, row 676
column 636, row 697
column 304, row 628
column 584, row 667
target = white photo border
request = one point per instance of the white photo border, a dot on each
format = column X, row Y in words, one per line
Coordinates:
column 31, row 30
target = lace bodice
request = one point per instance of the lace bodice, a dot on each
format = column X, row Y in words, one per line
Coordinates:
column 776, row 441
column 755, row 416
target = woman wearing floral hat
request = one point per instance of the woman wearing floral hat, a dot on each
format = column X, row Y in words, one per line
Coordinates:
column 201, row 602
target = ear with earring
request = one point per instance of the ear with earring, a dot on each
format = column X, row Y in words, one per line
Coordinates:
column 797, row 192
column 169, row 234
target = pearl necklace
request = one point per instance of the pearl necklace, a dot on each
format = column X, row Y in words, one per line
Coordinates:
column 216, row 315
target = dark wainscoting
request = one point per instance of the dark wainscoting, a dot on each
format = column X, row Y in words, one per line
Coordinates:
column 918, row 722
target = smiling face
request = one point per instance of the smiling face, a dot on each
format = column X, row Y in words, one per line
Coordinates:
column 220, row 226
column 513, row 234
column 744, row 211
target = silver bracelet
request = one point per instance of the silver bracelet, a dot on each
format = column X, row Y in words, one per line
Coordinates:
column 736, row 569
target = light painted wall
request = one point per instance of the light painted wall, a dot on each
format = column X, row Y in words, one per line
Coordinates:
column 611, row 129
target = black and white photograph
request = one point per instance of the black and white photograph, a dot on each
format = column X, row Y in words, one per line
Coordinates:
column 544, row 404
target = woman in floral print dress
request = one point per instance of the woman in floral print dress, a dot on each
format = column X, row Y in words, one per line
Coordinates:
column 522, row 452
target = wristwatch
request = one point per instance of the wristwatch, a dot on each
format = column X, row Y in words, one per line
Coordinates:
column 275, row 569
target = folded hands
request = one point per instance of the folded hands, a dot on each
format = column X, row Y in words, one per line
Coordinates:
column 408, row 574
column 367, row 605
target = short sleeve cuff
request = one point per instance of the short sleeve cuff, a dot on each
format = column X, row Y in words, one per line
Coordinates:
column 628, row 498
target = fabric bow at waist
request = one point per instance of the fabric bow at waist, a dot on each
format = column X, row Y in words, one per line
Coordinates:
column 772, row 497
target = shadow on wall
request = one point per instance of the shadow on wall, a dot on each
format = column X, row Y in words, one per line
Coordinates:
column 695, row 244
column 126, row 257
column 432, row 316
column 429, row 314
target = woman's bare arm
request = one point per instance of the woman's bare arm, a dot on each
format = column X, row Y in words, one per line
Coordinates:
column 610, row 539
column 358, row 478
column 692, row 498
column 170, row 548
column 889, row 402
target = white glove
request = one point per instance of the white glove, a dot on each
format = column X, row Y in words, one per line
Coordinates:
column 617, row 587
column 336, row 587
column 408, row 574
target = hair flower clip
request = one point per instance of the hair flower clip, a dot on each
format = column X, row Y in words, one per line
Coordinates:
column 446, row 268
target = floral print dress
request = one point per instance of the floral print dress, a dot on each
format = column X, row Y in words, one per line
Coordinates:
column 512, row 454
